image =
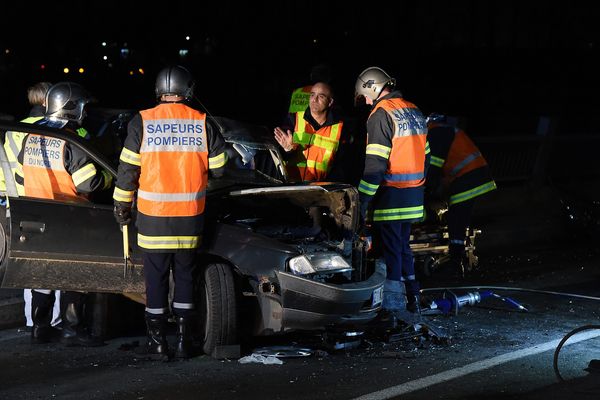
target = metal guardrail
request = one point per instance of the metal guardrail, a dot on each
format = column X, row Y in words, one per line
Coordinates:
column 511, row 158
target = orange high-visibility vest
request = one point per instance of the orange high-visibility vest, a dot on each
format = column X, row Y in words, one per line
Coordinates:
column 45, row 175
column 463, row 157
column 406, row 163
column 319, row 148
column 174, row 161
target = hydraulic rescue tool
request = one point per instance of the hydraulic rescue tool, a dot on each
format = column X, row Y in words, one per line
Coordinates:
column 451, row 303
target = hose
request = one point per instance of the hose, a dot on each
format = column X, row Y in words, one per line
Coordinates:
column 516, row 289
column 562, row 342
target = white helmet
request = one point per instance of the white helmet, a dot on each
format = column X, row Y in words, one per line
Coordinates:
column 371, row 82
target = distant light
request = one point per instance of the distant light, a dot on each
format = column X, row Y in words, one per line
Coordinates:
column 130, row 72
column 66, row 70
column 315, row 40
column 183, row 52
column 6, row 51
column 105, row 58
column 141, row 70
column 110, row 65
column 81, row 70
column 124, row 52
column 43, row 66
column 103, row 44
column 187, row 38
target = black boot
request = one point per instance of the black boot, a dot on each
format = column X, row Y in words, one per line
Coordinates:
column 74, row 332
column 413, row 299
column 413, row 304
column 41, row 314
column 183, row 347
column 157, row 339
column 42, row 331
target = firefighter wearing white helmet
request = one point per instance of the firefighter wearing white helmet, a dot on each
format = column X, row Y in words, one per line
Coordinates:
column 393, row 178
column 371, row 82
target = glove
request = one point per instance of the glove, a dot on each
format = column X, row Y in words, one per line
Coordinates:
column 364, row 206
column 122, row 212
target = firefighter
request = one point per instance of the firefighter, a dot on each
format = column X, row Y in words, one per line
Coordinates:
column 393, row 179
column 458, row 175
column 13, row 141
column 36, row 95
column 167, row 156
column 53, row 169
column 315, row 139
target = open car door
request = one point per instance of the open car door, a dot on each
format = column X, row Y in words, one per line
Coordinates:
column 55, row 244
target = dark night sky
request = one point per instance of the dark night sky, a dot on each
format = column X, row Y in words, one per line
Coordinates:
column 499, row 65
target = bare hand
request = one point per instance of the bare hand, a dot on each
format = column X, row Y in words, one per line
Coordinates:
column 285, row 139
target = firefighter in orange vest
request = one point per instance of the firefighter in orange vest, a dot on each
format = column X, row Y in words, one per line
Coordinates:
column 458, row 174
column 166, row 158
column 53, row 169
column 393, row 178
column 313, row 144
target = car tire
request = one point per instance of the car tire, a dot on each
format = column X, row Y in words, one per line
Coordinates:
column 429, row 264
column 217, row 300
column 3, row 249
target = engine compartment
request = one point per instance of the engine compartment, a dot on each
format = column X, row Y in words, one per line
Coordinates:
column 311, row 218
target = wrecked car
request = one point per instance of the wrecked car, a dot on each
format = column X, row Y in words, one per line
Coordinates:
column 266, row 266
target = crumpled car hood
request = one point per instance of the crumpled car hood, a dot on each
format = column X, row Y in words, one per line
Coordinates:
column 339, row 199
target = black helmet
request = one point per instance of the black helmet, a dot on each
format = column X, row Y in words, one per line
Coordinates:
column 66, row 101
column 175, row 81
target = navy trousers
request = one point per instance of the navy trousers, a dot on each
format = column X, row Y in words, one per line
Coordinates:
column 157, row 268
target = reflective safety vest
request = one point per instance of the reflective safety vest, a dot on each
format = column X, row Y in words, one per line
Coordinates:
column 45, row 175
column 12, row 146
column 406, row 158
column 463, row 157
column 174, row 162
column 300, row 99
column 319, row 148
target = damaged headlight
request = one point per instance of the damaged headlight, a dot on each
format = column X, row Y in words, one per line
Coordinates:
column 318, row 263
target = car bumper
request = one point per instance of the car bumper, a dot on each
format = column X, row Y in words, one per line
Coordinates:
column 309, row 304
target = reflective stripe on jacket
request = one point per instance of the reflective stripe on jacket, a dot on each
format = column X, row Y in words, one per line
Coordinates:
column 318, row 150
column 462, row 156
column 395, row 161
column 174, row 162
column 12, row 146
column 300, row 99
column 166, row 157
column 406, row 158
column 463, row 168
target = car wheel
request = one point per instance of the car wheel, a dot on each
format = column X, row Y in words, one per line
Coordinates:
column 218, row 307
column 429, row 264
column 3, row 251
